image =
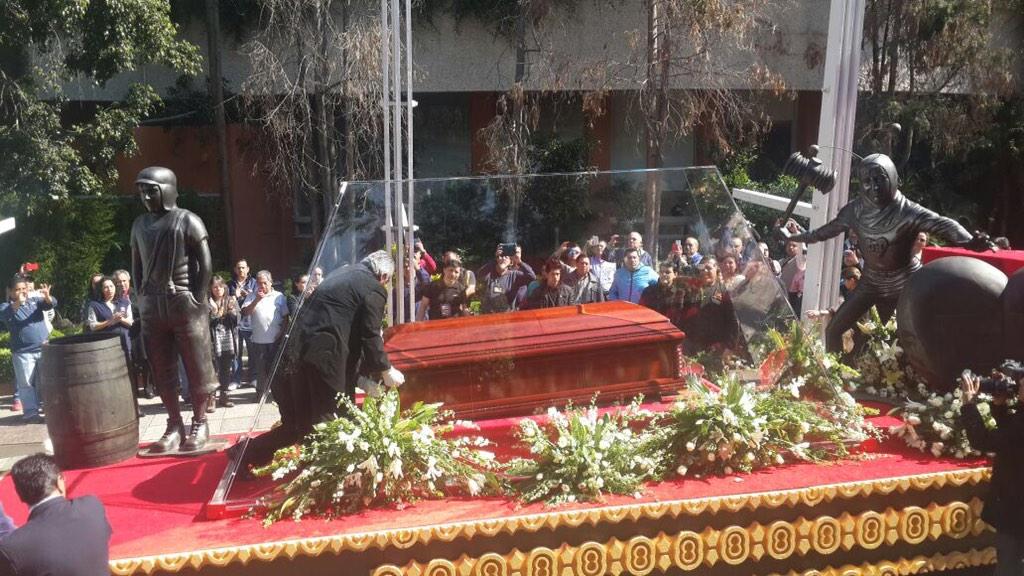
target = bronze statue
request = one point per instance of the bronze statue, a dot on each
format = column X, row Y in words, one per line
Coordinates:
column 886, row 223
column 171, row 262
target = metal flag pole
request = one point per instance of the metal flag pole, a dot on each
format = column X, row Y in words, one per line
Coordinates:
column 385, row 99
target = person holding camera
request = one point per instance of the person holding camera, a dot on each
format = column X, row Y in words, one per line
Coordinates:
column 1004, row 508
column 23, row 316
column 501, row 280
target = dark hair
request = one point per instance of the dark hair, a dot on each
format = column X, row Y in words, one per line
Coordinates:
column 628, row 250
column 553, row 264
column 669, row 264
column 97, row 289
column 15, row 280
column 295, row 283
column 35, row 477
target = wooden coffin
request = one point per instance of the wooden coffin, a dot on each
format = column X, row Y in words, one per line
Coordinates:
column 520, row 363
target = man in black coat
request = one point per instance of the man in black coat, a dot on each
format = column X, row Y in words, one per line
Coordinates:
column 67, row 537
column 1004, row 507
column 337, row 336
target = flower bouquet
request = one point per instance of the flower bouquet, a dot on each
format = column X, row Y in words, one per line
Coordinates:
column 376, row 455
column 580, row 455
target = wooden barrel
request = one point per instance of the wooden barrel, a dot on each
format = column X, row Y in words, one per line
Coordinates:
column 87, row 396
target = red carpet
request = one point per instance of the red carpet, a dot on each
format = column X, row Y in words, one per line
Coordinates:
column 155, row 505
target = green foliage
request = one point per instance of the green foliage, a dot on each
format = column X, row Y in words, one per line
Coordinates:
column 376, row 455
column 47, row 152
column 579, row 455
column 740, row 428
column 799, row 359
column 76, row 239
column 736, row 171
column 6, row 365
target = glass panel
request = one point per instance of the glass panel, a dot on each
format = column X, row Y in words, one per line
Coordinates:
column 508, row 353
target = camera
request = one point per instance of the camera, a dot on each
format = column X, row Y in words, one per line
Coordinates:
column 1003, row 381
column 508, row 249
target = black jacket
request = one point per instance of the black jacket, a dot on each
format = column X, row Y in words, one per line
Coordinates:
column 1004, row 507
column 62, row 537
column 338, row 330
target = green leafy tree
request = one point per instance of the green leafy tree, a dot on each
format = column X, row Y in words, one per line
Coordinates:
column 48, row 43
column 54, row 150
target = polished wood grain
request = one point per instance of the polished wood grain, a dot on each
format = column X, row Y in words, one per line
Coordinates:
column 519, row 363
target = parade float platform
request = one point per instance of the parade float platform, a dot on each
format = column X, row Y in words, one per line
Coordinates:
column 886, row 510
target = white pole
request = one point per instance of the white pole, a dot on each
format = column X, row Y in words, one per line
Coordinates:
column 396, row 141
column 408, row 149
column 835, row 136
column 385, row 60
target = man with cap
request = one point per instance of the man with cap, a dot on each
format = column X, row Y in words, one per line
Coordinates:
column 172, row 266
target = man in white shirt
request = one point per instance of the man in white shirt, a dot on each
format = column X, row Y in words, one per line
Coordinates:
column 268, row 314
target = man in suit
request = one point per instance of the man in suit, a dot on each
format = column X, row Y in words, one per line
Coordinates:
column 67, row 537
column 337, row 337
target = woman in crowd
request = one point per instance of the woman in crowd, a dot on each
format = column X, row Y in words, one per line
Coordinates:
column 299, row 284
column 729, row 267
column 223, row 328
column 710, row 322
column 107, row 312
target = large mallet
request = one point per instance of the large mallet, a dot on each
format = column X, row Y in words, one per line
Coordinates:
column 811, row 173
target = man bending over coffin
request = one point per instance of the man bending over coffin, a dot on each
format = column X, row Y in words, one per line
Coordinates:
column 337, row 336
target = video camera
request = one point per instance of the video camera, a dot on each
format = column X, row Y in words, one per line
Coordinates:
column 1003, row 381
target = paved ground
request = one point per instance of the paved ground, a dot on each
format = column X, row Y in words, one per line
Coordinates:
column 18, row 439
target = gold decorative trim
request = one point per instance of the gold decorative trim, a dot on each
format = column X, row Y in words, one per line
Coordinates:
column 408, row 537
column 732, row 545
column 916, row 565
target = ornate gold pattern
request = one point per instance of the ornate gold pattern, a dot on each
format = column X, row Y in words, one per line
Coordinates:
column 955, row 521
column 915, row 565
column 733, row 545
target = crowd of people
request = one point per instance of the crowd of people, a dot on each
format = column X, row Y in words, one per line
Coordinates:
column 248, row 319
column 248, row 316
column 690, row 287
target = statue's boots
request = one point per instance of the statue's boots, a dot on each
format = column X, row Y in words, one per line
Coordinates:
column 198, row 435
column 171, row 440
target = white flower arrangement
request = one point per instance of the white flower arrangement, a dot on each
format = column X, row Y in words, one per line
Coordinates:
column 884, row 370
column 376, row 455
column 580, row 455
column 741, row 428
column 931, row 422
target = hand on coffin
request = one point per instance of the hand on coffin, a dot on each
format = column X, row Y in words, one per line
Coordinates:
column 393, row 377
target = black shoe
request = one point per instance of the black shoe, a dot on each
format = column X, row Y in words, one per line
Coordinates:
column 171, row 440
column 224, row 401
column 197, row 437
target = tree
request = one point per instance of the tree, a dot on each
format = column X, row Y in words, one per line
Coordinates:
column 46, row 44
column 686, row 40
column 315, row 91
column 54, row 149
column 936, row 68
